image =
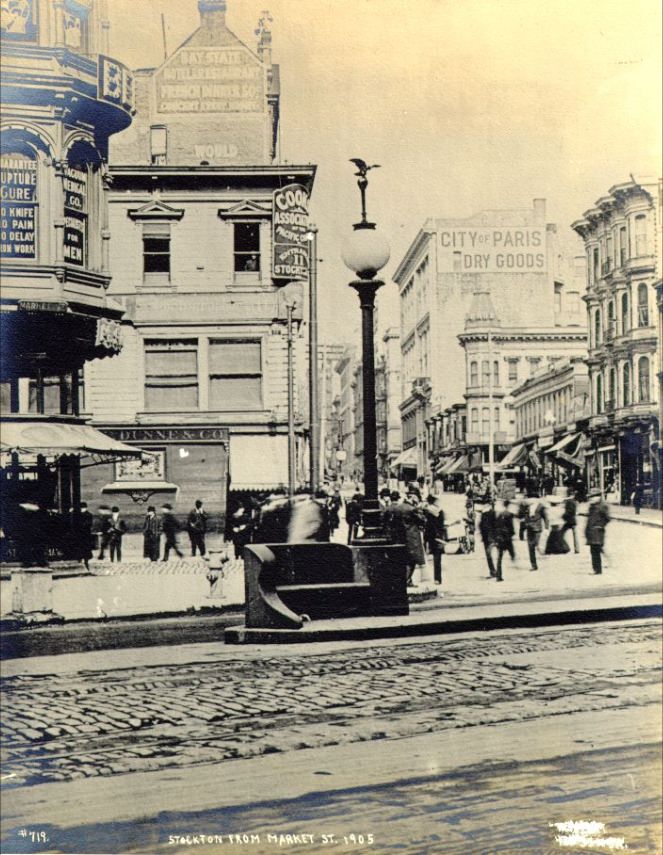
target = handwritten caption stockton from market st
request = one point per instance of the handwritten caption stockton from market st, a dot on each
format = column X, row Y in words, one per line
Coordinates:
column 278, row 841
column 506, row 250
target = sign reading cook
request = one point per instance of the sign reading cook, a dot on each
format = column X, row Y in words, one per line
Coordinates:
column 290, row 246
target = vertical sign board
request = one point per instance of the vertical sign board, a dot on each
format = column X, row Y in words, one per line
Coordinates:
column 75, row 216
column 18, row 193
column 290, row 246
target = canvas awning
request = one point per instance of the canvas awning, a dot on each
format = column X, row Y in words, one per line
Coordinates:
column 406, row 458
column 459, row 465
column 55, row 439
column 515, row 456
column 562, row 444
column 443, row 468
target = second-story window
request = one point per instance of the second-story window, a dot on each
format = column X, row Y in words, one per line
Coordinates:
column 596, row 264
column 235, row 381
column 640, row 235
column 643, row 379
column 247, row 247
column 597, row 328
column 474, row 373
column 643, row 305
column 485, row 373
column 156, row 250
column 626, row 384
column 622, row 246
column 496, row 373
column 171, row 375
column 513, row 371
column 626, row 320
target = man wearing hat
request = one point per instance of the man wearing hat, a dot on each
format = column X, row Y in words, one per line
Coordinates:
column 170, row 527
column 598, row 517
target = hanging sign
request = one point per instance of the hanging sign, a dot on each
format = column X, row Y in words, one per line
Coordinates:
column 75, row 215
column 18, row 192
column 290, row 245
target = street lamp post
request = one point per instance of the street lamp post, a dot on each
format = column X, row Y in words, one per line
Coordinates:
column 365, row 253
column 314, row 419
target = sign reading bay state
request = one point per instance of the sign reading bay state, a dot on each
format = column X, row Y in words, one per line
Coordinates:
column 493, row 250
column 18, row 195
column 75, row 216
column 290, row 246
column 211, row 80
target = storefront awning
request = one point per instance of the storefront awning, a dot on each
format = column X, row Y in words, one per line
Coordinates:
column 55, row 439
column 406, row 458
column 562, row 444
column 444, row 467
column 459, row 465
column 516, row 456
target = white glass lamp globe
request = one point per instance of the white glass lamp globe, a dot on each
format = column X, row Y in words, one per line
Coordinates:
column 365, row 252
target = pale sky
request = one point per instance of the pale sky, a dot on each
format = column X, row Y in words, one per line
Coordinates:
column 466, row 104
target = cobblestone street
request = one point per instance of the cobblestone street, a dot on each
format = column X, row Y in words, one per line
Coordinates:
column 96, row 723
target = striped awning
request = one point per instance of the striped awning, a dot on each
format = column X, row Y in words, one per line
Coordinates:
column 563, row 443
column 55, row 439
column 406, row 458
column 516, row 456
column 461, row 464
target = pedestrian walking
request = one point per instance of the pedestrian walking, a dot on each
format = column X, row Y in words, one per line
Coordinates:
column 598, row 517
column 242, row 529
column 434, row 534
column 536, row 521
column 104, row 530
column 523, row 511
column 488, row 532
column 505, row 531
column 170, row 527
column 353, row 514
column 637, row 496
column 196, row 525
column 406, row 522
column 151, row 534
column 116, row 532
column 81, row 533
column 569, row 518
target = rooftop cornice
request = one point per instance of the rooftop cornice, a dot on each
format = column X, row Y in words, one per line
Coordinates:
column 403, row 269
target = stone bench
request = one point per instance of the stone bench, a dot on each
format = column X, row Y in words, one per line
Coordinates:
column 287, row 583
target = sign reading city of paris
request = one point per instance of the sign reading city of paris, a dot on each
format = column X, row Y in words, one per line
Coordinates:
column 290, row 224
column 493, row 250
column 18, row 196
column 18, row 20
column 211, row 80
column 75, row 215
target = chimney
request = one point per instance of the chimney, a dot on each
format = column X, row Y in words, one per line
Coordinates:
column 212, row 13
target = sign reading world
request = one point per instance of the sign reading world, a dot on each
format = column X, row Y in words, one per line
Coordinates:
column 211, row 80
column 290, row 245
column 18, row 192
column 493, row 250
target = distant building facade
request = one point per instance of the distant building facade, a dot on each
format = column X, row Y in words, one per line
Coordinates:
column 345, row 414
column 202, row 381
column 534, row 285
column 622, row 235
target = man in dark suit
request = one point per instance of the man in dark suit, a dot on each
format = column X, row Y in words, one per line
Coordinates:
column 434, row 534
column 504, row 534
column 535, row 522
column 115, row 534
column 406, row 522
column 488, row 532
column 197, row 527
column 598, row 517
column 170, row 527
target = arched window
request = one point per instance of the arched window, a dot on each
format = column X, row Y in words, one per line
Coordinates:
column 599, row 393
column 640, row 235
column 643, row 305
column 626, row 385
column 597, row 328
column 474, row 373
column 643, row 378
column 612, row 389
column 626, row 320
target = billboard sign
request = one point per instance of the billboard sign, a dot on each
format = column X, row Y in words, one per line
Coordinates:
column 290, row 224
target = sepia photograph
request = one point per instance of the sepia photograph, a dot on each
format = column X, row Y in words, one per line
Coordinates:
column 331, row 393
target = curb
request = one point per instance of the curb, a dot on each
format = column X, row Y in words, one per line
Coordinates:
column 237, row 635
column 630, row 521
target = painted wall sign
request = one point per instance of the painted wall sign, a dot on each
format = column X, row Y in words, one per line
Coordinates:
column 290, row 247
column 75, row 216
column 493, row 250
column 211, row 80
column 166, row 434
column 18, row 195
column 150, row 467
column 18, row 20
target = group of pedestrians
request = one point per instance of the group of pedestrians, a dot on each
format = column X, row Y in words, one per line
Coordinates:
column 498, row 531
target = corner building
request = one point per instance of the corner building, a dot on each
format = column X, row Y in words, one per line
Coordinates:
column 622, row 235
column 202, row 382
column 62, row 99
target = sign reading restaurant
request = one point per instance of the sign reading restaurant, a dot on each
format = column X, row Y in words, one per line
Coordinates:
column 493, row 250
column 211, row 80
column 290, row 224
